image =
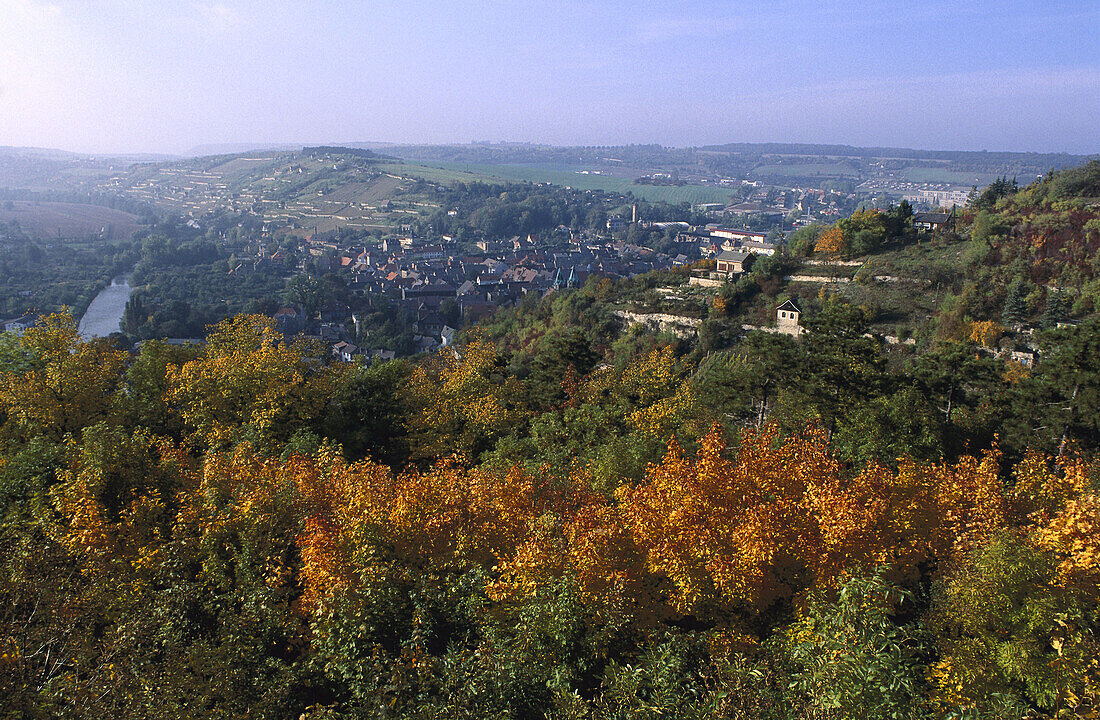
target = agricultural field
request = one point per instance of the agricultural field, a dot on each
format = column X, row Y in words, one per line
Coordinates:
column 53, row 220
column 943, row 175
column 824, row 170
column 371, row 192
column 436, row 173
column 452, row 171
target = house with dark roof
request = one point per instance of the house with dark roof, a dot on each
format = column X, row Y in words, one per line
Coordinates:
column 932, row 221
column 733, row 262
column 20, row 324
column 786, row 317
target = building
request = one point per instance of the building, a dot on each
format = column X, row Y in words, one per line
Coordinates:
column 786, row 317
column 942, row 198
column 757, row 248
column 740, row 235
column 932, row 221
column 20, row 324
column 345, row 351
column 733, row 262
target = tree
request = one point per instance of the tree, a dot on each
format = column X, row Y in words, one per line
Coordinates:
column 999, row 188
column 1015, row 307
column 563, row 351
column 960, row 381
column 866, row 230
column 458, row 403
column 367, row 416
column 246, row 383
column 1060, row 401
column 803, row 240
column 754, row 372
column 308, row 292
column 854, row 660
column 1010, row 639
column 841, row 365
column 1055, row 310
column 831, row 242
column 985, row 333
column 67, row 385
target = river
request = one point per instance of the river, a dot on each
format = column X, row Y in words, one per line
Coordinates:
column 105, row 312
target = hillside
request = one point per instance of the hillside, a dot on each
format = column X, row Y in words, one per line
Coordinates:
column 544, row 522
column 56, row 220
column 625, row 498
column 770, row 163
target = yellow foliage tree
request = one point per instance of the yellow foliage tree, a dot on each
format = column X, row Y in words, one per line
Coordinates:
column 985, row 332
column 246, row 376
column 1074, row 536
column 457, row 403
column 68, row 385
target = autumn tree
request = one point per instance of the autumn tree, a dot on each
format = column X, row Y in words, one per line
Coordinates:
column 831, row 242
column 985, row 333
column 64, row 385
column 458, row 402
column 247, row 381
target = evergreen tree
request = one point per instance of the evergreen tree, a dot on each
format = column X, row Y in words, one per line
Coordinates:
column 1056, row 309
column 1015, row 309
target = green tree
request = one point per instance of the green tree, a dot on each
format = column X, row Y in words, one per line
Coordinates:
column 1015, row 307
column 1011, row 640
column 745, row 383
column 367, row 416
column 840, row 365
column 308, row 292
column 963, row 385
column 1060, row 401
column 1055, row 310
column 853, row 660
column 999, row 188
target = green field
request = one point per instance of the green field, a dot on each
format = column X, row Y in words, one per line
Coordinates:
column 466, row 172
column 837, row 169
column 433, row 173
column 942, row 175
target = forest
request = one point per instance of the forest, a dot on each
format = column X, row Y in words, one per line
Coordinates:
column 536, row 526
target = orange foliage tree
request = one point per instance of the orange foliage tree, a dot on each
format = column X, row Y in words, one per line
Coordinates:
column 359, row 516
column 743, row 533
column 831, row 242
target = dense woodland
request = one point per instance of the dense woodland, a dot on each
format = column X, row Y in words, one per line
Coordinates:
column 567, row 517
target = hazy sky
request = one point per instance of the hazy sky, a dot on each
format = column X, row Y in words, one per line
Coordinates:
column 165, row 76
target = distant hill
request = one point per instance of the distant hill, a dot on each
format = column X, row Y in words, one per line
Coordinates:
column 236, row 148
column 1056, row 160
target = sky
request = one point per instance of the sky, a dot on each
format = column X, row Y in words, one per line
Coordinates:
column 112, row 76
